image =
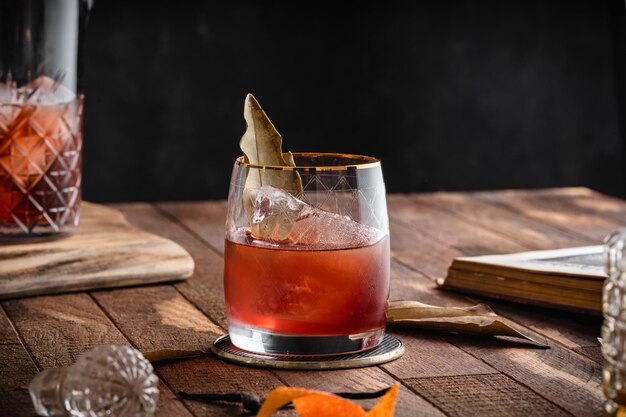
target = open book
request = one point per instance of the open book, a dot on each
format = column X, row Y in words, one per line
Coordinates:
column 569, row 279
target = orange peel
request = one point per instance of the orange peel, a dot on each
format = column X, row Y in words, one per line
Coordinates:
column 312, row 403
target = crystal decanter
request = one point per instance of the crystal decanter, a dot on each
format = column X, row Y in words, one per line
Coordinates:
column 614, row 327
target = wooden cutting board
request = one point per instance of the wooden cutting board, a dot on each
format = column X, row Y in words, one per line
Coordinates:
column 105, row 252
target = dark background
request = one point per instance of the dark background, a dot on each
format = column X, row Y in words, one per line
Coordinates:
column 451, row 95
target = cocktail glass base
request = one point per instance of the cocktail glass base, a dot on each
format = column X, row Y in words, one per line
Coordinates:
column 259, row 341
column 389, row 349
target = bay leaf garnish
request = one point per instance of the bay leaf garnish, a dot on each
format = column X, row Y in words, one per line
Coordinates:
column 262, row 145
column 475, row 320
column 169, row 354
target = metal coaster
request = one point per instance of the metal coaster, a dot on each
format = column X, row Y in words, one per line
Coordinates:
column 389, row 349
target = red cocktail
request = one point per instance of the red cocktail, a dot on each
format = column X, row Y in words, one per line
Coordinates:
column 307, row 291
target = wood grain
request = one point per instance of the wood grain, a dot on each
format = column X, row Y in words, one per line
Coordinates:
column 16, row 371
column 441, row 374
column 208, row 374
column 431, row 356
column 434, row 357
column 484, row 395
column 521, row 365
column 206, row 288
column 428, row 354
column 57, row 329
column 334, row 381
column 204, row 218
column 566, row 378
column 558, row 374
column 575, row 331
column 526, row 231
column 105, row 252
column 420, row 252
column 160, row 317
column 8, row 335
column 210, row 220
column 446, row 229
column 578, row 211
column 506, row 222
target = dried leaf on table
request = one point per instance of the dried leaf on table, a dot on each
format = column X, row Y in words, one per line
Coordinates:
column 311, row 403
column 262, row 145
column 168, row 354
column 478, row 319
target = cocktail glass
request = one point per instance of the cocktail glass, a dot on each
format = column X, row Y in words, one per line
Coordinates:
column 322, row 289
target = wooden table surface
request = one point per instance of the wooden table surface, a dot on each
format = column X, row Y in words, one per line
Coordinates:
column 440, row 374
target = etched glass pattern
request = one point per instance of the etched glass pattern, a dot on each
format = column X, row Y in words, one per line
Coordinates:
column 353, row 194
column 108, row 381
column 614, row 327
column 40, row 167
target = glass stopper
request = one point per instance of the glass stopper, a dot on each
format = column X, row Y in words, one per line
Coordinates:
column 108, row 381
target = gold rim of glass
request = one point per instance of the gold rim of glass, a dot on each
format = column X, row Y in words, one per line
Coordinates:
column 368, row 162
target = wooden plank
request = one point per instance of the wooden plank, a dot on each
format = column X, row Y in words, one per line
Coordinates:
column 557, row 374
column 17, row 369
column 428, row 354
column 8, row 335
column 407, row 283
column 207, row 283
column 432, row 259
column 573, row 331
column 609, row 206
column 593, row 352
column 105, row 252
column 210, row 375
column 196, row 214
column 161, row 318
column 444, row 228
column 577, row 332
column 580, row 212
column 57, row 329
column 526, row 231
column 484, row 395
column 158, row 317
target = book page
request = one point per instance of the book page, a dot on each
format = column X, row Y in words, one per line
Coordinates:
column 585, row 261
